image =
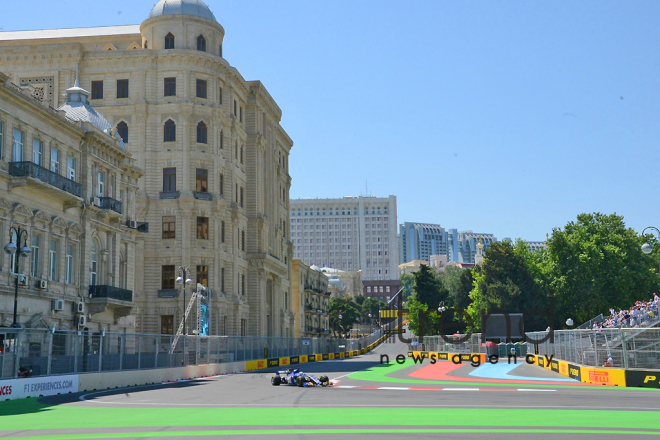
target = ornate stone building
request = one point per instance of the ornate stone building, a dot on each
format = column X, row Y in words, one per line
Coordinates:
column 67, row 188
column 216, row 185
column 311, row 297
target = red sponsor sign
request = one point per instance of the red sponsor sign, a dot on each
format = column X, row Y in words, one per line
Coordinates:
column 261, row 364
column 599, row 376
column 563, row 368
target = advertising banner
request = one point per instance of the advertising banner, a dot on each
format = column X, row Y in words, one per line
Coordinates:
column 643, row 378
column 38, row 386
column 294, row 360
column 574, row 372
column 275, row 362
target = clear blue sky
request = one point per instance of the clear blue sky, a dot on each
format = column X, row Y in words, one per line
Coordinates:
column 510, row 117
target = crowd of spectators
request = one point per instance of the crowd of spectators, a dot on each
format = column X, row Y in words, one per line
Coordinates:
column 639, row 315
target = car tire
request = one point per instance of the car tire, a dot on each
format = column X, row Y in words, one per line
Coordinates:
column 299, row 381
column 276, row 380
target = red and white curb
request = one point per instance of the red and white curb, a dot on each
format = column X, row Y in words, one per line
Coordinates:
column 352, row 387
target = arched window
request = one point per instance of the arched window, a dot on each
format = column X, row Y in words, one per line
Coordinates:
column 94, row 268
column 201, row 44
column 169, row 131
column 123, row 274
column 169, row 41
column 122, row 130
column 201, row 133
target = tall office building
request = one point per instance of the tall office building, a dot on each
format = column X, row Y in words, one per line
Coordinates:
column 418, row 241
column 215, row 157
column 350, row 233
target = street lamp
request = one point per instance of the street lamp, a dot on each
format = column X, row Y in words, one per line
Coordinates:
column 569, row 322
column 12, row 248
column 183, row 275
column 442, row 307
column 370, row 323
column 646, row 247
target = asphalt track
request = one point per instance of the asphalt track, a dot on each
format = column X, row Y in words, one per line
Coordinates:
column 368, row 401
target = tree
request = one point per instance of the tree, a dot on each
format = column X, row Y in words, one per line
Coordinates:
column 428, row 324
column 428, row 288
column 505, row 281
column 408, row 285
column 371, row 306
column 596, row 263
column 458, row 283
column 348, row 310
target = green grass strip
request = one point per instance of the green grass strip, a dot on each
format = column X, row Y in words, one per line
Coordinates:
column 30, row 414
column 379, row 373
column 302, row 431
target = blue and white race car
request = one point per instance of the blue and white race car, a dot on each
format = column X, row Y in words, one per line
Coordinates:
column 294, row 376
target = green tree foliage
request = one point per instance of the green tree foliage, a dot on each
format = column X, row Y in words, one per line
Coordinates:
column 349, row 311
column 596, row 263
column 458, row 283
column 408, row 285
column 429, row 289
column 371, row 305
column 505, row 281
column 428, row 324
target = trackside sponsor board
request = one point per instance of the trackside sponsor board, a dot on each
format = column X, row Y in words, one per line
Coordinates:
column 443, row 356
column 603, row 376
column 294, row 360
column 284, row 362
column 38, row 386
column 311, row 358
column 326, row 357
column 275, row 362
column 303, row 358
column 643, row 378
column 574, row 372
column 563, row 368
column 554, row 366
column 256, row 365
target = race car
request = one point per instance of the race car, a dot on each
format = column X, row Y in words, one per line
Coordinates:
column 294, row 376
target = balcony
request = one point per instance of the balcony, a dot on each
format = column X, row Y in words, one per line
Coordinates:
column 169, row 195
column 168, row 293
column 110, row 298
column 111, row 292
column 30, row 169
column 199, row 195
column 110, row 203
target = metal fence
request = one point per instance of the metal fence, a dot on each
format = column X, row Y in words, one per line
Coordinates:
column 628, row 347
column 47, row 352
column 472, row 345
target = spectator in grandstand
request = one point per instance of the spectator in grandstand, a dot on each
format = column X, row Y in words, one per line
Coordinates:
column 608, row 362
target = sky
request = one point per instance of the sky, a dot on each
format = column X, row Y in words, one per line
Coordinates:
column 503, row 117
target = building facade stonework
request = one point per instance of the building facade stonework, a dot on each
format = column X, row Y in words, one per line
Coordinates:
column 71, row 186
column 215, row 158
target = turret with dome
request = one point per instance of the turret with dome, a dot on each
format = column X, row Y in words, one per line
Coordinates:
column 164, row 29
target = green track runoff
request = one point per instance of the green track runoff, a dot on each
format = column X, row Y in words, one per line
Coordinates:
column 29, row 414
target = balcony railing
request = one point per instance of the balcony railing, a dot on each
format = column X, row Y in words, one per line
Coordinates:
column 169, row 194
column 111, row 292
column 30, row 169
column 168, row 293
column 199, row 195
column 110, row 203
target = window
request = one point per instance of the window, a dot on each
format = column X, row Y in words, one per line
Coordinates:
column 170, row 86
column 222, row 279
column 34, row 266
column 169, row 131
column 203, row 275
column 243, row 241
column 220, row 95
column 167, row 324
column 122, row 88
column 17, row 154
column 169, row 226
column 241, row 199
column 71, row 168
column 243, row 327
column 69, row 264
column 201, row 133
column 94, row 266
column 100, row 186
column 37, row 150
column 220, row 50
column 169, row 41
column 201, row 44
column 52, row 263
column 243, row 283
column 54, row 160
column 169, row 179
column 241, row 154
column 222, row 141
column 222, row 231
column 2, row 131
column 122, row 130
column 201, row 180
column 221, row 184
column 202, row 228
column 167, row 277
column 235, row 108
column 97, row 89
column 201, row 88
column 241, row 114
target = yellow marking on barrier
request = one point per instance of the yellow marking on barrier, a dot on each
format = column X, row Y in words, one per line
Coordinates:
column 285, row 361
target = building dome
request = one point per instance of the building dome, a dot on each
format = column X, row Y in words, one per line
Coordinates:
column 196, row 8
